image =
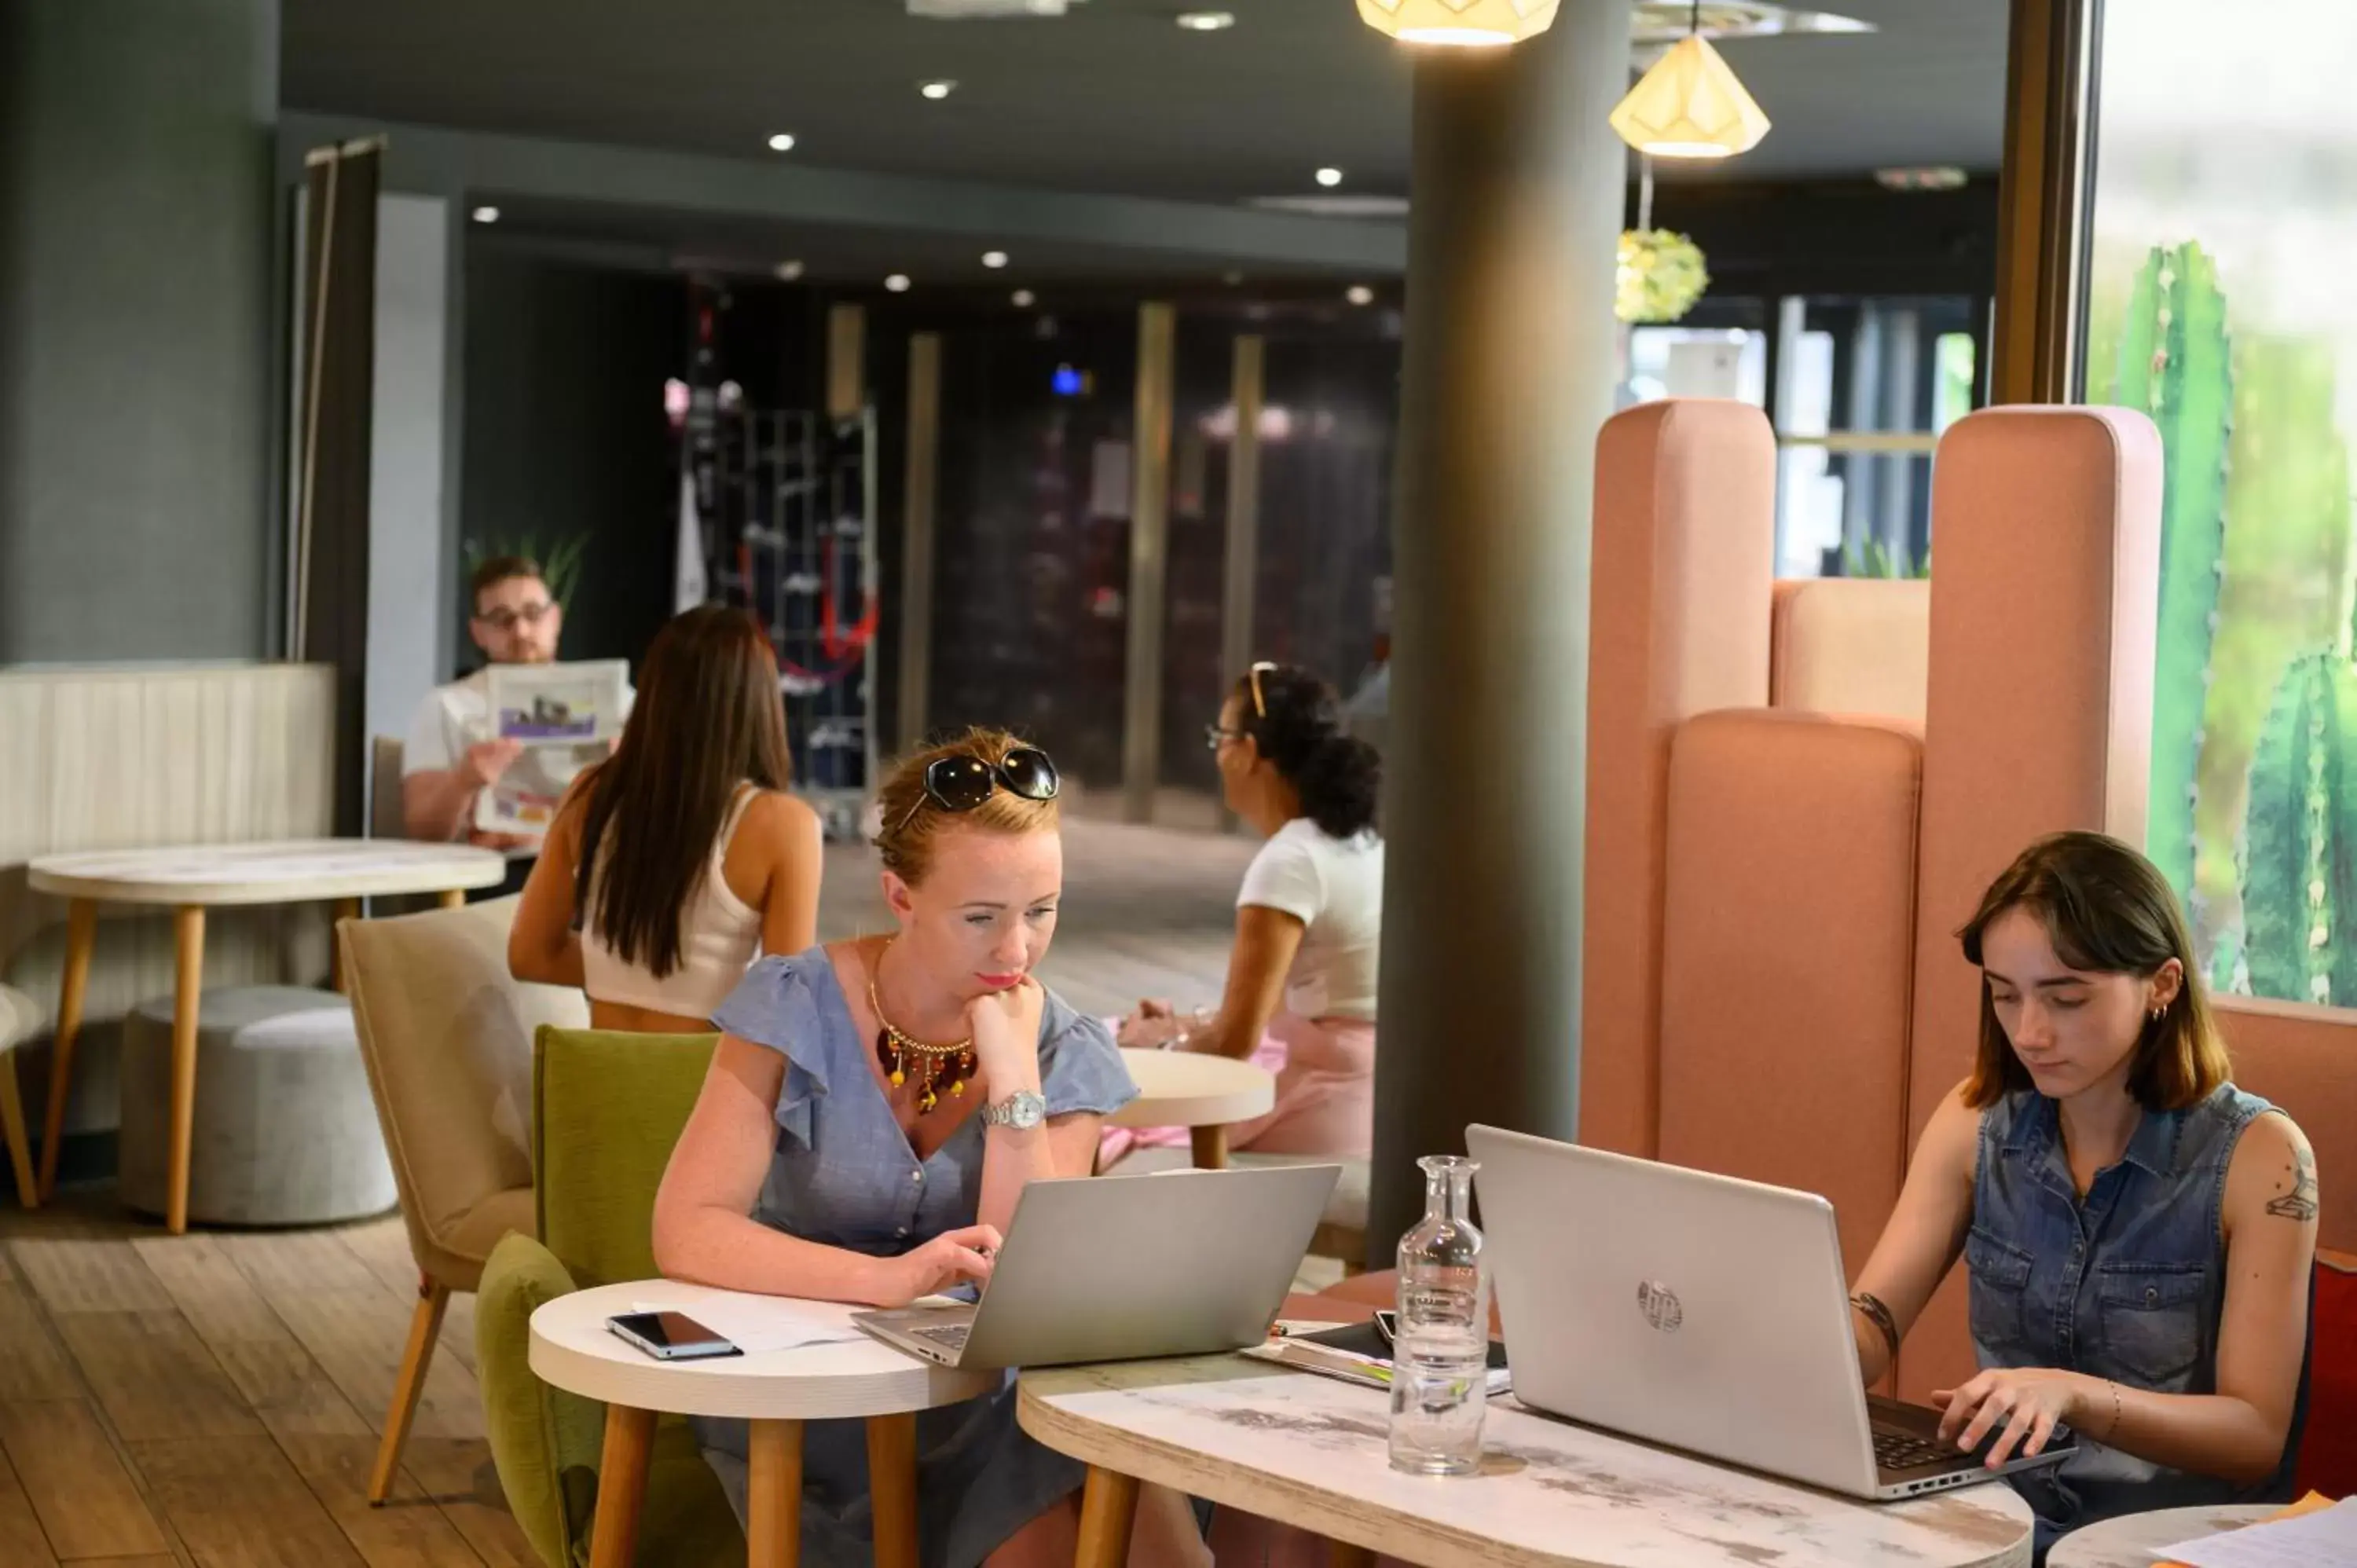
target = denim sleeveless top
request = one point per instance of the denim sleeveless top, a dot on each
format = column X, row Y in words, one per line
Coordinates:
column 2128, row 1284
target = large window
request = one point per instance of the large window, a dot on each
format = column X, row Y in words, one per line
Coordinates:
column 2224, row 215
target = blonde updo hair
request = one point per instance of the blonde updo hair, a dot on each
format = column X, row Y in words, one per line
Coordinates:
column 908, row 821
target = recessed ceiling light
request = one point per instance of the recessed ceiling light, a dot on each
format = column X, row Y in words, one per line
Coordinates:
column 487, row 214
column 789, row 271
column 1025, row 299
column 1207, row 21
column 994, row 259
column 783, row 142
column 1329, row 177
column 937, row 91
column 898, row 282
column 1359, row 294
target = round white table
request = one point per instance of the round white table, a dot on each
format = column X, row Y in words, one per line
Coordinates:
column 2131, row 1540
column 1200, row 1092
column 805, row 1361
column 189, row 880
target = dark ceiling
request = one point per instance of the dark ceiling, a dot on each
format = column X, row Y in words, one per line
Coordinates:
column 1111, row 97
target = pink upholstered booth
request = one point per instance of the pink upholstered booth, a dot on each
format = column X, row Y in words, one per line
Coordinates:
column 1796, row 792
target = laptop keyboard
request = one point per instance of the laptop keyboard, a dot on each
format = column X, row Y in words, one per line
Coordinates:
column 1905, row 1451
column 948, row 1336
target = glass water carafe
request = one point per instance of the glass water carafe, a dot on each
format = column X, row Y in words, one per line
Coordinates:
column 1440, row 1358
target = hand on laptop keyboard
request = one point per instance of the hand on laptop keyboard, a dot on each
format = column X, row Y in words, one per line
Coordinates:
column 2013, row 1411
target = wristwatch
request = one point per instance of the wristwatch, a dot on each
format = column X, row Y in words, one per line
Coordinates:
column 1022, row 1111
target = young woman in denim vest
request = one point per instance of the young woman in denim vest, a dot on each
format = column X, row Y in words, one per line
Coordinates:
column 2137, row 1231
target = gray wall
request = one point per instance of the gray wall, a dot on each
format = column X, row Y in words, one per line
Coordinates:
column 135, row 262
column 408, row 578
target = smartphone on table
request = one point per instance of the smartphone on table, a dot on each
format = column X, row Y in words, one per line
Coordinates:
column 671, row 1336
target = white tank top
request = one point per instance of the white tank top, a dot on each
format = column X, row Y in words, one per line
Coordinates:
column 720, row 936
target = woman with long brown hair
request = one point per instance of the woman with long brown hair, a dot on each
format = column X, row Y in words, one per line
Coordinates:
column 2138, row 1232
column 680, row 859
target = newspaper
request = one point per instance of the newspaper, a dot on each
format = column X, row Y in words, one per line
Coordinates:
column 567, row 717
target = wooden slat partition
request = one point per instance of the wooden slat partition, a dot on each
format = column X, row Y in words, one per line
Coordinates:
column 120, row 757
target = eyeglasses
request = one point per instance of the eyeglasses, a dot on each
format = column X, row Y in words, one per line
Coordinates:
column 1217, row 735
column 522, row 615
column 962, row 781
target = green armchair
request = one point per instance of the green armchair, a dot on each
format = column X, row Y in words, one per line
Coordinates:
column 607, row 1108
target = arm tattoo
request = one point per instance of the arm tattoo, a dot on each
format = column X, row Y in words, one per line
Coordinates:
column 2299, row 1203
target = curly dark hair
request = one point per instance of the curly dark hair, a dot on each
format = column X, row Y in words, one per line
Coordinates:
column 1296, row 720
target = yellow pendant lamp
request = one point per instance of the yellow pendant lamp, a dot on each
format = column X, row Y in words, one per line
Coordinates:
column 1690, row 104
column 1458, row 24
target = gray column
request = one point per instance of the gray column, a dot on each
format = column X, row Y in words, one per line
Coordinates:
column 1149, row 550
column 1240, row 571
column 919, row 482
column 135, row 262
column 1518, row 188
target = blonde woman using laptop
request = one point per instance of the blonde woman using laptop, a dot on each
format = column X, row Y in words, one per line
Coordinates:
column 873, row 1111
column 679, row 860
column 2137, row 1231
column 1300, row 996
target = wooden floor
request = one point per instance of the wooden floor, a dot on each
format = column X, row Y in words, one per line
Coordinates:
column 212, row 1399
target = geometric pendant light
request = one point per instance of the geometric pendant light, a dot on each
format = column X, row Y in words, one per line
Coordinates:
column 1690, row 105
column 1459, row 24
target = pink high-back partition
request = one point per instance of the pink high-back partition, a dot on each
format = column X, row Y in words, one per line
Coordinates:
column 1681, row 586
column 2038, row 713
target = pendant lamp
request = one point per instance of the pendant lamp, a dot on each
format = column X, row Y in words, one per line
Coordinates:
column 1690, row 104
column 1458, row 24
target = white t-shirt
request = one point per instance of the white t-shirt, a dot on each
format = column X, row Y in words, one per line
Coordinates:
column 1335, row 887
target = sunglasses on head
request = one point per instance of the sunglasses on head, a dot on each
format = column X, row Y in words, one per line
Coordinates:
column 962, row 781
column 1213, row 735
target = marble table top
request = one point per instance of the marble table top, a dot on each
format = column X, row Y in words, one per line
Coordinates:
column 1311, row 1451
column 2131, row 1540
column 287, row 872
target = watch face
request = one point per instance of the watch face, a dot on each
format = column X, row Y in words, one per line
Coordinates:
column 1026, row 1110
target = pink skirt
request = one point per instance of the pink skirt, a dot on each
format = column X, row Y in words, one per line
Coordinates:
column 1325, row 1072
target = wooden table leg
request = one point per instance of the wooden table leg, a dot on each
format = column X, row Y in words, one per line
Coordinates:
column 81, row 933
column 346, row 909
column 1108, row 1511
column 451, row 898
column 621, row 1486
column 773, row 1495
column 892, row 1487
column 1211, row 1147
column 188, row 991
column 12, row 1128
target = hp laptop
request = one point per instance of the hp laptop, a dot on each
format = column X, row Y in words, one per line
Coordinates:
column 1699, row 1312
column 1127, row 1268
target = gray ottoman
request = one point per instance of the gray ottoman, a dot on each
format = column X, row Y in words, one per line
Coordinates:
column 286, row 1133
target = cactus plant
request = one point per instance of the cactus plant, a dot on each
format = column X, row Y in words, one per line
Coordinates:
column 2287, row 523
column 2299, row 837
column 2175, row 365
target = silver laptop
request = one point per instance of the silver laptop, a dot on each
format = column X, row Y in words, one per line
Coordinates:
column 1125, row 1268
column 1700, row 1312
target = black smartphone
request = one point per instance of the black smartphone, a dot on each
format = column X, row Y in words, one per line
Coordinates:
column 671, row 1336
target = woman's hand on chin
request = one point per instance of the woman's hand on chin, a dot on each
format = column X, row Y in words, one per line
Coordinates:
column 1005, row 1027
